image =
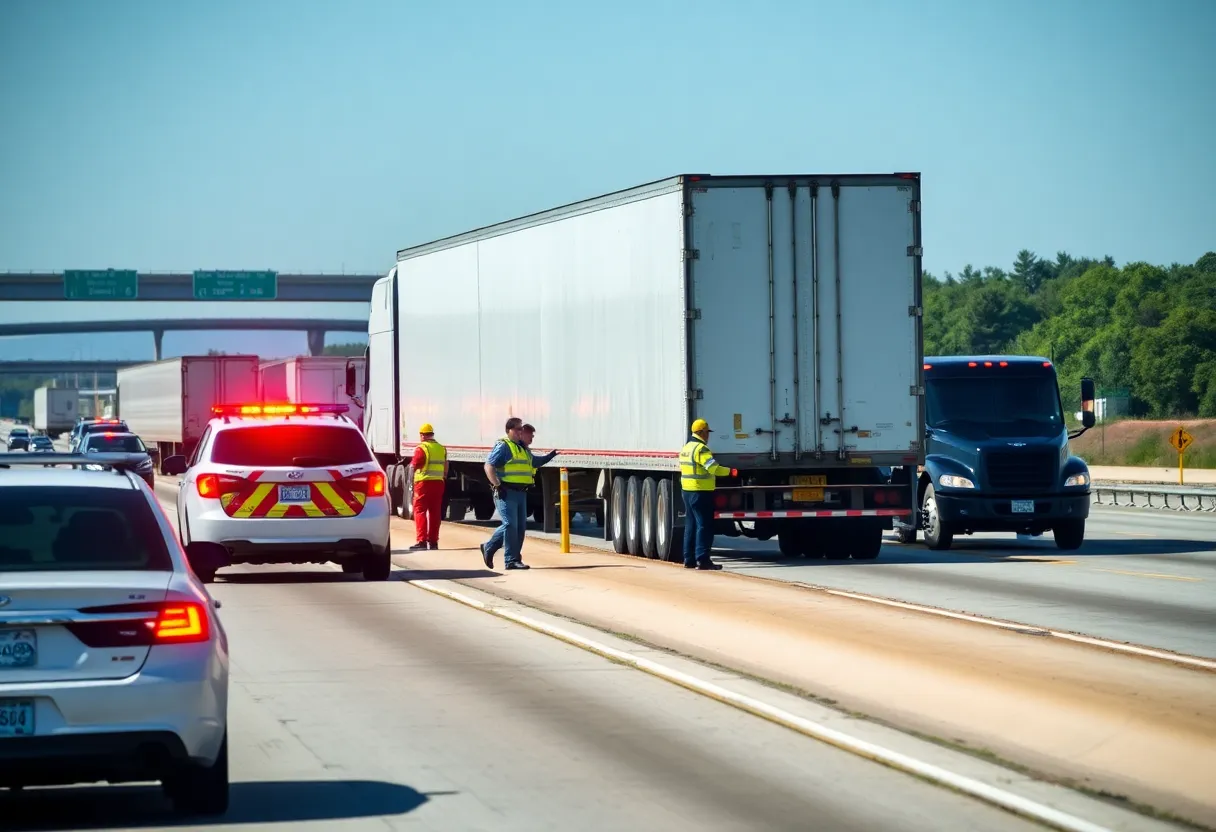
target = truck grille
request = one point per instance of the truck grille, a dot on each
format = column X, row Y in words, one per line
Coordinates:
column 1013, row 471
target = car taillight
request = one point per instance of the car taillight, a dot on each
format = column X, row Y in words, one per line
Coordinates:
column 186, row 621
column 375, row 484
column 214, row 486
column 144, row 625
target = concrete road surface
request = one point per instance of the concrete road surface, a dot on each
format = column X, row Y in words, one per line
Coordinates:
column 1143, row 576
column 378, row 706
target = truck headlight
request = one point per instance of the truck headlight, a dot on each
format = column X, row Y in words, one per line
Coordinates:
column 1076, row 480
column 951, row 481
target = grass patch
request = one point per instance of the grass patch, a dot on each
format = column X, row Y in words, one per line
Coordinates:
column 1143, row 443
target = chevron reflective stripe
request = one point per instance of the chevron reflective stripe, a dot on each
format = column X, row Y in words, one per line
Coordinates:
column 764, row 515
column 338, row 497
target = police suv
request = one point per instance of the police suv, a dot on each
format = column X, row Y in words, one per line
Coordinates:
column 285, row 483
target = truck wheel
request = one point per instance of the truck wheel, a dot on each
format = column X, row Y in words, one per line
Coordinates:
column 616, row 515
column 483, row 506
column 865, row 542
column 664, row 525
column 649, row 508
column 1069, row 534
column 938, row 534
column 633, row 519
column 789, row 541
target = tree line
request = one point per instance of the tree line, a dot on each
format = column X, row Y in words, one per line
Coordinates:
column 1147, row 329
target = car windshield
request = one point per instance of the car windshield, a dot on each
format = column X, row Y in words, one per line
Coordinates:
column 1004, row 400
column 76, row 529
column 42, row 440
column 290, row 446
column 105, row 443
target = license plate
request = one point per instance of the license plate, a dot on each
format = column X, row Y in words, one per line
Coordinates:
column 16, row 718
column 809, row 495
column 18, row 648
column 1023, row 507
column 295, row 493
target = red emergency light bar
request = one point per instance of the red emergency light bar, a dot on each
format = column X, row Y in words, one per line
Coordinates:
column 276, row 409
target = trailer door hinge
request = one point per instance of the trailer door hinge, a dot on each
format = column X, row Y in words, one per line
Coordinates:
column 691, row 254
column 915, row 311
column 916, row 390
column 916, row 251
column 914, row 206
column 693, row 394
column 692, row 314
column 689, row 209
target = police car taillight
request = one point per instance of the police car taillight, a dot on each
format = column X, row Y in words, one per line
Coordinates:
column 277, row 409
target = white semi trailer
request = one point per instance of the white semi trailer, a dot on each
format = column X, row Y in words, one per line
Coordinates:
column 785, row 310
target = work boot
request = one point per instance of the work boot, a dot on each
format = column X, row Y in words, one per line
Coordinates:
column 417, row 546
column 433, row 545
column 486, row 557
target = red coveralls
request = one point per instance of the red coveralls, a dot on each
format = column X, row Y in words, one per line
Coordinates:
column 428, row 503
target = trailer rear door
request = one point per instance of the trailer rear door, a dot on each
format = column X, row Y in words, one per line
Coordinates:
column 805, row 331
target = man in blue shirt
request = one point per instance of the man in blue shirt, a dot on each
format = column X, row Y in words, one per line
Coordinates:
column 511, row 469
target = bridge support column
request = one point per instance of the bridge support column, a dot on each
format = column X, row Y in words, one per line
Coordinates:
column 158, row 339
column 316, row 342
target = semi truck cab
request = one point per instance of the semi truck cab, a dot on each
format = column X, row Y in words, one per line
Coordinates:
column 997, row 455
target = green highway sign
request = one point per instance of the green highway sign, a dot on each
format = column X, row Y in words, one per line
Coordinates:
column 236, row 285
column 100, row 284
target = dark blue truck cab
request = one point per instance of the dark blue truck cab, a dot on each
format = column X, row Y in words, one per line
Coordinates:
column 997, row 457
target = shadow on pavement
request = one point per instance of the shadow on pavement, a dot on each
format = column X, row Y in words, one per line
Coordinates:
column 407, row 574
column 283, row 576
column 294, row 801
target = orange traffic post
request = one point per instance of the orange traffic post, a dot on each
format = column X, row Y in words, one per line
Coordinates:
column 565, row 511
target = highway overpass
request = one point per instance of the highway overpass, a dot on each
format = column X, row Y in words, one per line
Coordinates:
column 39, row 367
column 180, row 286
column 315, row 327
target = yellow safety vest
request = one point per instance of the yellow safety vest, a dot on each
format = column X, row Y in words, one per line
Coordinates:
column 518, row 470
column 698, row 468
column 435, row 456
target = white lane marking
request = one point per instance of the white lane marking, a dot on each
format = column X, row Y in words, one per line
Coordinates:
column 893, row 759
column 1028, row 629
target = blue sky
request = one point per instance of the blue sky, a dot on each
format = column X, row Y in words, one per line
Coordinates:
column 308, row 136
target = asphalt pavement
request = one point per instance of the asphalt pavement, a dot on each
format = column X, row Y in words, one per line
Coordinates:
column 1143, row 576
column 379, row 706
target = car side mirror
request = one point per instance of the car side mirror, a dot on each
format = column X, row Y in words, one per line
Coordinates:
column 174, row 466
column 350, row 380
column 1088, row 417
column 206, row 558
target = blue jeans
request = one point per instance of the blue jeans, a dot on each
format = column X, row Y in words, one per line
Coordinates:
column 513, row 509
column 698, row 526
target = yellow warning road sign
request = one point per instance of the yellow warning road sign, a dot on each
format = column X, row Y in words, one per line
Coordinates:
column 1180, row 439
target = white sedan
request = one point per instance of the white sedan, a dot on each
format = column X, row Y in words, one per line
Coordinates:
column 113, row 661
column 286, row 483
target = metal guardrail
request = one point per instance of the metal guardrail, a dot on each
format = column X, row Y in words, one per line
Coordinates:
column 1151, row 495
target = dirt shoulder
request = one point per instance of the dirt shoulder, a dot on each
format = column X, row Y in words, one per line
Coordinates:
column 1137, row 728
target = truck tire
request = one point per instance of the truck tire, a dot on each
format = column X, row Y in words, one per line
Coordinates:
column 483, row 506
column 616, row 515
column 1069, row 534
column 938, row 534
column 649, row 509
column 665, row 521
column 865, row 541
column 789, row 540
column 633, row 516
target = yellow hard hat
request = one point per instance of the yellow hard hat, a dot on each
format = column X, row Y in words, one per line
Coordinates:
column 426, row 428
column 700, row 425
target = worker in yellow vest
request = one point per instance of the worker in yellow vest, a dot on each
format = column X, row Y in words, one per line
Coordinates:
column 698, row 478
column 430, row 474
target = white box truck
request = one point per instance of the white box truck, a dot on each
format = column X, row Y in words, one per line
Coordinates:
column 784, row 310
column 55, row 409
column 168, row 403
column 318, row 379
